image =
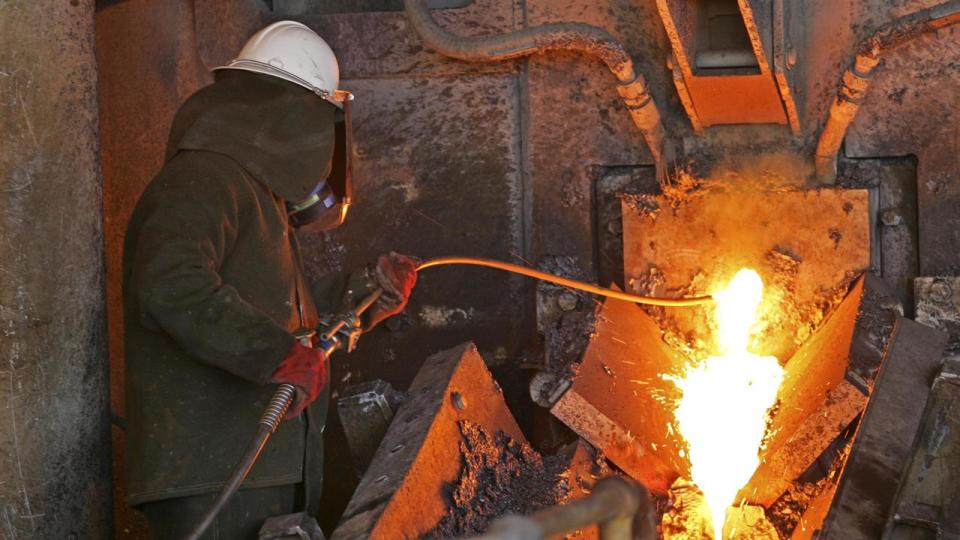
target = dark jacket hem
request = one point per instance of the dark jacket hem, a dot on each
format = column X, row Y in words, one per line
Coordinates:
column 136, row 499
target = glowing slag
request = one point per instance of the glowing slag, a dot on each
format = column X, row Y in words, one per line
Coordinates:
column 722, row 413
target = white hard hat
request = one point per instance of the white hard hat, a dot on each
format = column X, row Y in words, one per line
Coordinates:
column 292, row 52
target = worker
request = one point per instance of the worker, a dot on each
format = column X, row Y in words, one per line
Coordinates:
column 215, row 291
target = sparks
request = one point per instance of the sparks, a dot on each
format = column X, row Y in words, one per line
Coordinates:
column 725, row 400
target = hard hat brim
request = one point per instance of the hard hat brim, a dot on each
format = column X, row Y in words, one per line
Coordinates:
column 264, row 68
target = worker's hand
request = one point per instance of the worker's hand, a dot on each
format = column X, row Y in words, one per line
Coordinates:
column 306, row 369
column 396, row 274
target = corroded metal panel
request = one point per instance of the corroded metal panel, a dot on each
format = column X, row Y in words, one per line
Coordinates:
column 725, row 96
column 575, row 120
column 402, row 493
column 816, row 403
column 619, row 400
column 881, row 448
column 54, row 403
column 806, row 245
column 938, row 305
column 913, row 109
column 427, row 187
column 929, row 498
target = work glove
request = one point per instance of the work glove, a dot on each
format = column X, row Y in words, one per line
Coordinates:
column 306, row 369
column 396, row 274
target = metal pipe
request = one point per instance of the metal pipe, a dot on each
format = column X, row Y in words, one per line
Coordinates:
column 565, row 36
column 615, row 505
column 856, row 79
column 567, row 282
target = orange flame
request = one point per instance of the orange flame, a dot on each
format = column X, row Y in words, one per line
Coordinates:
column 722, row 413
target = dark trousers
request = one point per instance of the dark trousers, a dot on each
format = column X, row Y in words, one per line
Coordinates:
column 173, row 519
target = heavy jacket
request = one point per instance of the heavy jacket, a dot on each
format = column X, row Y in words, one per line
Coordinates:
column 214, row 287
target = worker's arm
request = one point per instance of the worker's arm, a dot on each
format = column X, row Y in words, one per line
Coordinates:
column 188, row 228
column 337, row 292
column 341, row 292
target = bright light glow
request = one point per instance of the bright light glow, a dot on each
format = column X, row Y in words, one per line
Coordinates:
column 722, row 412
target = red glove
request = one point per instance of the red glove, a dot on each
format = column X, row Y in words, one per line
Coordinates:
column 306, row 369
column 396, row 274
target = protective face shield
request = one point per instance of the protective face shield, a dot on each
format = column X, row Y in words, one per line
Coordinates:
column 291, row 51
column 327, row 206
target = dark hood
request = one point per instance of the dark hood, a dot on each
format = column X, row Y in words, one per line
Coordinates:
column 280, row 133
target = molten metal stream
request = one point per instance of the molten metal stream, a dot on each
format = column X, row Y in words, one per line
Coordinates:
column 722, row 413
column 566, row 282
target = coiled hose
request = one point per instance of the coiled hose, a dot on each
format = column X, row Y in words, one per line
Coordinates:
column 268, row 423
column 283, row 397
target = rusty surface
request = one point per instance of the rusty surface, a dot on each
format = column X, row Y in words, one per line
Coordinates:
column 788, row 511
column 938, row 305
column 808, row 526
column 620, row 403
column 891, row 183
column 447, row 196
column 824, row 35
column 223, row 28
column 398, row 52
column 736, row 99
column 806, row 245
column 564, row 36
column 147, row 65
column 501, row 476
column 727, row 97
column 881, row 448
column 612, row 185
column 784, row 58
column 574, row 119
column 54, row 403
column 498, row 475
column 401, row 494
column 586, row 465
column 928, row 498
column 815, row 403
column 912, row 108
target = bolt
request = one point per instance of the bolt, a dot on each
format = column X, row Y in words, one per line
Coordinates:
column 458, row 402
column 891, row 217
column 941, row 292
column 567, row 301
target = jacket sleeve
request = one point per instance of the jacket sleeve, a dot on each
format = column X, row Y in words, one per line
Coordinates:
column 187, row 229
column 337, row 292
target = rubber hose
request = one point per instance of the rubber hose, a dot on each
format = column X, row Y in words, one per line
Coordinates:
column 566, row 282
column 269, row 421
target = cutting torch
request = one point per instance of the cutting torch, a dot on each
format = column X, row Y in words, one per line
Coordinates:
column 343, row 331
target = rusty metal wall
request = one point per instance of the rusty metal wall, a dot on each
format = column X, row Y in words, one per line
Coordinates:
column 54, row 424
column 147, row 64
